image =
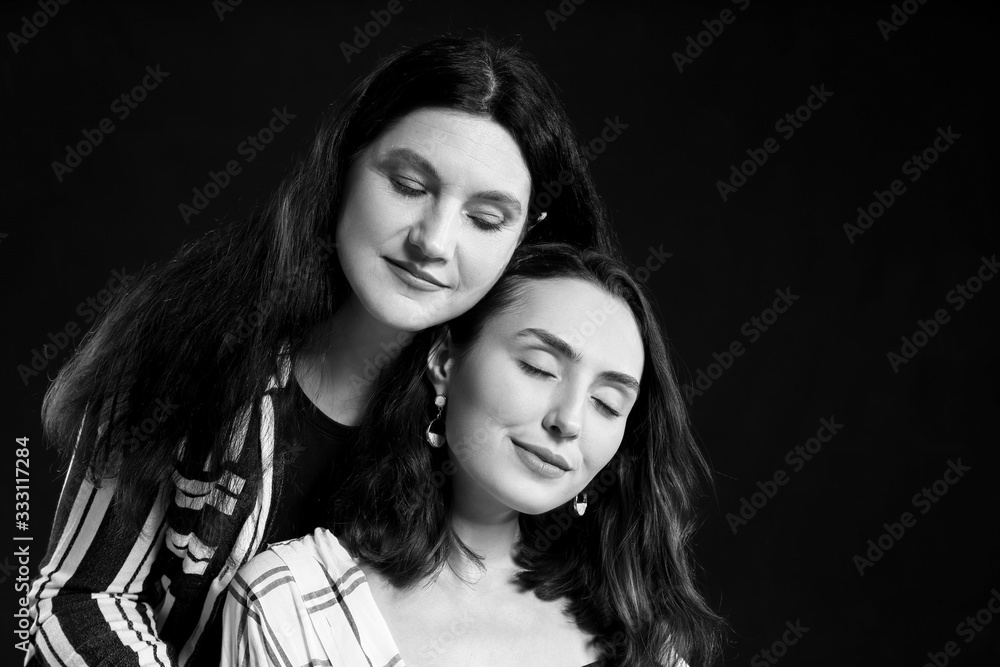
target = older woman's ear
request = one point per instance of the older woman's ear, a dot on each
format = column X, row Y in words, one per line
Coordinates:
column 439, row 362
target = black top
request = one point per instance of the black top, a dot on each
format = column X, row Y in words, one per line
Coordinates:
column 313, row 459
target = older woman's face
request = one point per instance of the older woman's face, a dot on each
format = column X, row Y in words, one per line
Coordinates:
column 433, row 210
column 537, row 406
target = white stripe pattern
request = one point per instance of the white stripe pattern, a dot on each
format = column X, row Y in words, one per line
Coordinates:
column 129, row 624
column 305, row 602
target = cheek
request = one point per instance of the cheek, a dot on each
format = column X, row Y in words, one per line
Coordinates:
column 601, row 448
column 482, row 262
column 485, row 400
column 351, row 228
column 369, row 213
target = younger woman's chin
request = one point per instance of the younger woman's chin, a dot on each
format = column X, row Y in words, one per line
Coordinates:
column 533, row 507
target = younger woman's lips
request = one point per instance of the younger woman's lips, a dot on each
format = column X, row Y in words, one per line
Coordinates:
column 533, row 459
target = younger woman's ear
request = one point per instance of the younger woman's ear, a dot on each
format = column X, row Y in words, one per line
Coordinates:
column 439, row 363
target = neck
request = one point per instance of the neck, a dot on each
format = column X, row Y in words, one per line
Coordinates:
column 344, row 359
column 490, row 530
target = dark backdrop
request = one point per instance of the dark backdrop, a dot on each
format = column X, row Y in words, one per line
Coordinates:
column 887, row 93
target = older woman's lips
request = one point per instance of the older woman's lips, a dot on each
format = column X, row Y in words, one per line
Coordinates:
column 414, row 276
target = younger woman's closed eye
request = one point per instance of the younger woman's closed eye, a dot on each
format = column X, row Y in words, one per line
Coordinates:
column 605, row 408
column 534, row 370
column 602, row 405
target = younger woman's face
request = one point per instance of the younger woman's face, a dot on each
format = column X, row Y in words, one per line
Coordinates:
column 537, row 406
column 432, row 212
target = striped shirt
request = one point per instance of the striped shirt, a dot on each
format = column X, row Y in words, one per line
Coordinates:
column 306, row 602
column 155, row 597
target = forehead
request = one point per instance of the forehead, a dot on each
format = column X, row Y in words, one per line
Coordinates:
column 459, row 142
column 598, row 325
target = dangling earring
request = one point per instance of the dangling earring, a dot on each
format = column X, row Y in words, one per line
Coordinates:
column 435, row 431
column 580, row 504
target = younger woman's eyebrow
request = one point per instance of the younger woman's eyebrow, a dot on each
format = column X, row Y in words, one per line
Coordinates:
column 566, row 350
column 420, row 162
column 623, row 379
column 549, row 339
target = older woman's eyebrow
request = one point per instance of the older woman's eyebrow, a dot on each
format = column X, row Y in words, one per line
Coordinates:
column 500, row 197
column 414, row 158
column 420, row 162
column 566, row 350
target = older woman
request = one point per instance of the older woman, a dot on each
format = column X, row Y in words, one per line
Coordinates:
column 418, row 190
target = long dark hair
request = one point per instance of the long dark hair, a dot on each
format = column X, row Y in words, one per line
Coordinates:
column 204, row 331
column 625, row 565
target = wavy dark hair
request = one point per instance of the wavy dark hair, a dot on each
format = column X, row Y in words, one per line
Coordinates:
column 204, row 331
column 625, row 565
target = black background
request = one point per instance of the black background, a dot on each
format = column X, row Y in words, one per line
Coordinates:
column 783, row 229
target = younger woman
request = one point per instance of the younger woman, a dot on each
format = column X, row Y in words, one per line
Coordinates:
column 526, row 498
